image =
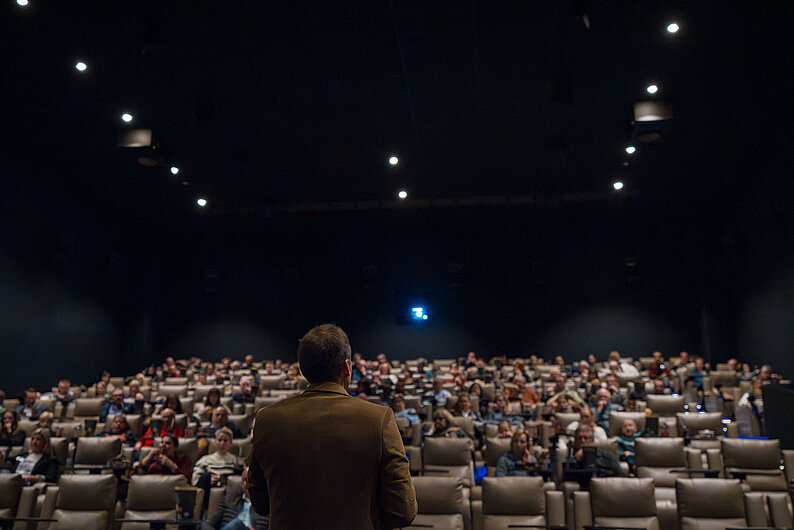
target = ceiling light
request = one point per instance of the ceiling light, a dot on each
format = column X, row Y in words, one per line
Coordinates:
column 393, row 160
column 81, row 66
column 618, row 185
column 126, row 117
column 673, row 28
column 202, row 202
column 174, row 170
column 631, row 149
column 23, row 3
column 402, row 194
column 652, row 89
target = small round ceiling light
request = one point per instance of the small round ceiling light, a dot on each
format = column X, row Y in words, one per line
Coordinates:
column 652, row 89
column 126, row 118
column 673, row 28
column 81, row 66
column 402, row 194
column 618, row 185
column 631, row 149
column 174, row 170
column 201, row 202
column 393, row 160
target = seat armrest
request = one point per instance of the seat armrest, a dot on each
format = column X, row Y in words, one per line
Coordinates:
column 714, row 458
column 788, row 460
column 476, row 515
column 755, row 509
column 50, row 496
column 555, row 508
column 27, row 501
column 780, row 510
column 216, row 494
column 476, row 493
column 583, row 514
column 733, row 430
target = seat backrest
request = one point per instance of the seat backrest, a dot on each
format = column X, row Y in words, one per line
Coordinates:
column 655, row 457
column 152, row 496
column 10, row 491
column 695, row 422
column 84, row 501
column 465, row 424
column 761, row 458
column 242, row 422
column 513, row 502
column 172, row 390
column 709, row 503
column 440, row 502
column 447, row 451
column 134, row 421
column 610, row 445
column 175, row 381
column 267, row 382
column 96, row 451
column 666, row 405
column 88, row 407
column 626, row 502
column 28, row 426
column 617, row 417
column 201, row 391
column 494, row 448
column 566, row 418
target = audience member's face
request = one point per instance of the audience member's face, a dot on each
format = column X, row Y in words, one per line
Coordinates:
column 585, row 417
column 63, row 388
column 37, row 443
column 591, row 359
column 223, row 442
column 245, row 386
column 603, row 397
column 219, row 416
column 30, row 398
column 119, row 424
column 45, row 421
column 464, row 402
column 167, row 446
column 628, row 428
column 700, row 363
column 658, row 386
column 732, row 364
column 249, row 360
column 684, row 356
column 101, row 389
column 118, row 397
column 519, row 445
column 168, row 416
column 585, row 437
column 504, row 430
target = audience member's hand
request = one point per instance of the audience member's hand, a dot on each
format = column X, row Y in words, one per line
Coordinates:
column 215, row 480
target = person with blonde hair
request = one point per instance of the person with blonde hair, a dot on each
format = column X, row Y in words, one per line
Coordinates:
column 38, row 464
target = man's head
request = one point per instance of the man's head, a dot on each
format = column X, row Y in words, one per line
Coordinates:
column 30, row 397
column 324, row 354
column 382, row 358
column 168, row 416
column 245, row 385
column 117, row 397
column 438, row 384
column 220, row 416
column 559, row 383
column 586, row 416
column 603, row 397
column 249, row 359
column 583, row 436
column 658, row 386
column 733, row 365
column 63, row 387
column 684, row 357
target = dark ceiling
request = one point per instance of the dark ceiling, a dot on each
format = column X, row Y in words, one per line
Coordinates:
column 271, row 104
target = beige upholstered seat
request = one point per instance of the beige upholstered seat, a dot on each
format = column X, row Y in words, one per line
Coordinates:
column 616, row 421
column 151, row 497
column 512, row 502
column 566, row 418
column 441, row 503
column 10, row 492
column 494, row 448
column 172, row 390
column 96, row 451
column 617, row 502
column 758, row 462
column 81, row 501
column 87, row 408
column 711, row 503
column 693, row 423
column 449, row 457
column 666, row 405
column 655, row 458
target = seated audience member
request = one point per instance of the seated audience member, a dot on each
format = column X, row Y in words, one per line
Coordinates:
column 628, row 434
column 168, row 427
column 500, row 410
column 754, row 399
column 561, row 403
column 171, row 401
column 587, row 418
column 400, row 410
column 220, row 419
column 135, row 398
column 29, row 409
column 212, row 469
column 658, row 387
column 519, row 461
column 604, row 407
column 119, row 428
column 438, row 395
column 2, row 402
column 235, row 512
column 698, row 373
column 11, row 434
column 211, row 401
column 100, row 389
column 463, row 408
column 443, row 426
column 62, row 395
column 293, row 373
column 38, row 465
column 245, row 395
column 115, row 406
column 476, row 390
column 45, row 422
column 166, row 460
column 605, row 464
column 504, row 430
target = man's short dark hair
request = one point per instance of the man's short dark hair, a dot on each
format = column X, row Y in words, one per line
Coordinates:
column 322, row 353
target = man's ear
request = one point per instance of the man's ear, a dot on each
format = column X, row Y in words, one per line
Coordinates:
column 347, row 369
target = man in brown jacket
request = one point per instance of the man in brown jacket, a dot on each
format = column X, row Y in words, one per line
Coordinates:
column 323, row 459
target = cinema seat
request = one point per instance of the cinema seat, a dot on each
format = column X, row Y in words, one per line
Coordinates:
column 713, row 503
column 441, row 504
column 616, row 502
column 81, row 501
column 150, row 497
column 515, row 502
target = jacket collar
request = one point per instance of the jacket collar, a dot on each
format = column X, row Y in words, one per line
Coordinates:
column 327, row 386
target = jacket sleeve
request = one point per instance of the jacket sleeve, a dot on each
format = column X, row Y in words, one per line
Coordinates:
column 501, row 467
column 397, row 495
column 257, row 487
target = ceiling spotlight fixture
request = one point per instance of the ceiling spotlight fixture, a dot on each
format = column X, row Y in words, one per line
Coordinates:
column 22, row 3
column 652, row 89
column 174, row 170
column 618, row 185
column 393, row 160
column 202, row 202
column 126, row 118
column 402, row 194
column 81, row 66
column 673, row 28
column 631, row 149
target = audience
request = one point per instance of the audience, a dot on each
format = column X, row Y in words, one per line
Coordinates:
column 11, row 434
column 519, row 461
column 119, row 428
column 165, row 459
column 37, row 465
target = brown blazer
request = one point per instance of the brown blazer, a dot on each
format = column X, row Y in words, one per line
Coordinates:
column 323, row 459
